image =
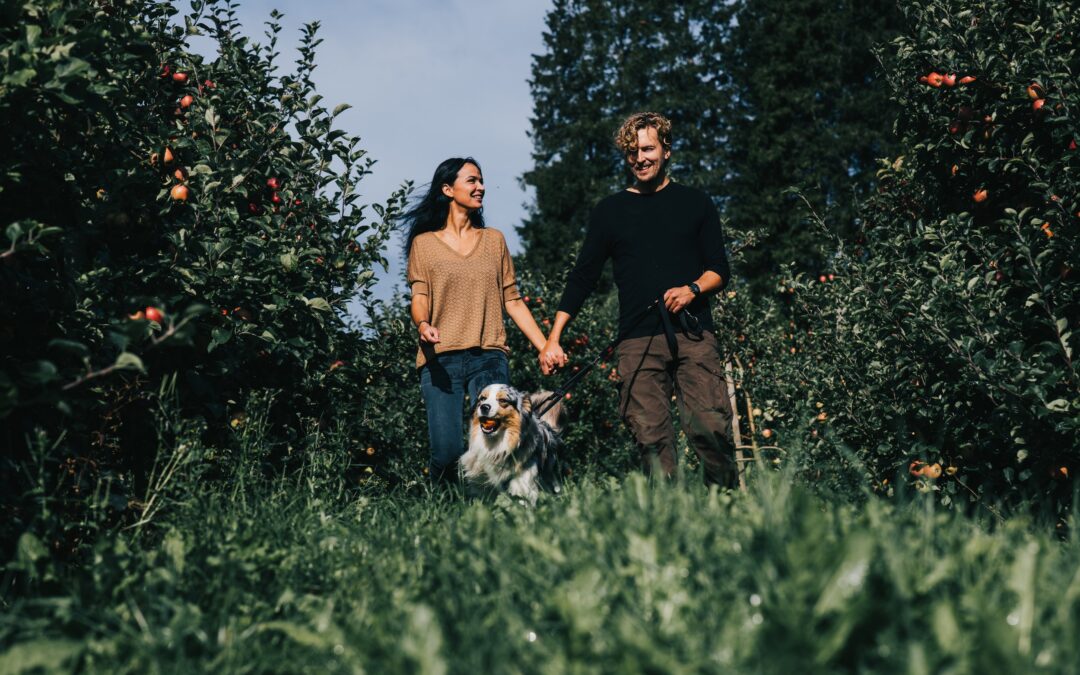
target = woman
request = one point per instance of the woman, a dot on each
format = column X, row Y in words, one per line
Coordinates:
column 462, row 278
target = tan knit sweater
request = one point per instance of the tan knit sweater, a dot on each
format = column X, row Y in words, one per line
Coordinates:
column 466, row 293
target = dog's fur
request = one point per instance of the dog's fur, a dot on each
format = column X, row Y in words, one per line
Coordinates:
column 510, row 449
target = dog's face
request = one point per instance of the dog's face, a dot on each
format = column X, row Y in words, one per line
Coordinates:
column 498, row 410
column 509, row 448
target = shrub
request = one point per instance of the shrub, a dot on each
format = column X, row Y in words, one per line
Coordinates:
column 173, row 223
column 944, row 332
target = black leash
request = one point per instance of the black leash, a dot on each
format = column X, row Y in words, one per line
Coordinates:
column 605, row 353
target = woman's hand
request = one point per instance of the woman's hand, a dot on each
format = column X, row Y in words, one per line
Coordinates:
column 428, row 333
column 551, row 357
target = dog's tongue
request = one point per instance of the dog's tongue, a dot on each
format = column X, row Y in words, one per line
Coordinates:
column 487, row 425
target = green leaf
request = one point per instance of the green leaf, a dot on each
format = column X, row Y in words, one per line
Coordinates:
column 39, row 372
column 71, row 68
column 20, row 77
column 33, row 32
column 218, row 337
column 1058, row 405
column 30, row 549
column 340, row 108
column 70, row 346
column 129, row 361
column 318, row 303
column 39, row 656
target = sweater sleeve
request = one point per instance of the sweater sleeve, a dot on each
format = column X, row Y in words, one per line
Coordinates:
column 506, row 273
column 711, row 238
column 590, row 263
column 415, row 273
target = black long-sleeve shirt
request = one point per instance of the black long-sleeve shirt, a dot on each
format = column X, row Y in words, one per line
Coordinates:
column 656, row 241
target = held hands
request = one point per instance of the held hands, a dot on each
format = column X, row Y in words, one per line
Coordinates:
column 551, row 357
column 676, row 299
column 428, row 333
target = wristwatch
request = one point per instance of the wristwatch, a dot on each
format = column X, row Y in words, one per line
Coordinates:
column 695, row 289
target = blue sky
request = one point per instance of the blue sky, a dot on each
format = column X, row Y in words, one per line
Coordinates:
column 427, row 80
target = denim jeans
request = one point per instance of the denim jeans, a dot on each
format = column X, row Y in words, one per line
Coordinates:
column 444, row 380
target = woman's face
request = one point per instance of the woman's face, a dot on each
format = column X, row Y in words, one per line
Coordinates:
column 468, row 188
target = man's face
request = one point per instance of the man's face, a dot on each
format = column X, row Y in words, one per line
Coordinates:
column 647, row 162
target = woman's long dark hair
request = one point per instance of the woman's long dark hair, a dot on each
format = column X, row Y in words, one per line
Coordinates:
column 429, row 214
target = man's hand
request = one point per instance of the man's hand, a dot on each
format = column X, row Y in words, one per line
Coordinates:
column 551, row 357
column 428, row 333
column 676, row 299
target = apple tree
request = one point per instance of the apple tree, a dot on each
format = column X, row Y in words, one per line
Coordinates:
column 945, row 330
column 182, row 235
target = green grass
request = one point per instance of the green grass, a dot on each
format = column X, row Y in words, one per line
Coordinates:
column 294, row 576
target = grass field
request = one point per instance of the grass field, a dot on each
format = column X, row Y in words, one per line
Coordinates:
column 296, row 575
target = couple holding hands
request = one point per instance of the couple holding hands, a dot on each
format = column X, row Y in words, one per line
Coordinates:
column 667, row 249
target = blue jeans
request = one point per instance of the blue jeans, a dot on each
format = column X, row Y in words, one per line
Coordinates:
column 444, row 379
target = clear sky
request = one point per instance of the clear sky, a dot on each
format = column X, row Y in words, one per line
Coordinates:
column 427, row 80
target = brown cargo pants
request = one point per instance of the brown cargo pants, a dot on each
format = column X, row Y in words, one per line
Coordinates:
column 649, row 378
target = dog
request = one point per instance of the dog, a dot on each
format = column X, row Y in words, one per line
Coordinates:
column 510, row 449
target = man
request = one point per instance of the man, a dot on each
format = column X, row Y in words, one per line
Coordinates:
column 666, row 244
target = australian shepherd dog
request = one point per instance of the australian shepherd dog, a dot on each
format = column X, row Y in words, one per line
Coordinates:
column 510, row 449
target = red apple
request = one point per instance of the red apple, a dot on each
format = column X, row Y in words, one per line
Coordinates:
column 154, row 314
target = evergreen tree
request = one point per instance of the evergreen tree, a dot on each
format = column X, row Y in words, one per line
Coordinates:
column 808, row 112
column 603, row 61
column 763, row 96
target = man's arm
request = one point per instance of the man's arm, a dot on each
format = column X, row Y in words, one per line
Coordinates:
column 551, row 354
column 676, row 299
column 714, row 259
column 579, row 285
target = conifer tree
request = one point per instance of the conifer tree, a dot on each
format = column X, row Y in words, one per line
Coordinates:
column 763, row 96
column 604, row 60
column 807, row 111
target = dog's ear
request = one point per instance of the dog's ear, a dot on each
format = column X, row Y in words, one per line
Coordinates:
column 526, row 403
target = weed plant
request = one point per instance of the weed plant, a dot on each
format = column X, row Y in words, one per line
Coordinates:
column 304, row 573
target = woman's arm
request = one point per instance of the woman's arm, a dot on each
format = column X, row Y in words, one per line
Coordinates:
column 523, row 319
column 420, row 313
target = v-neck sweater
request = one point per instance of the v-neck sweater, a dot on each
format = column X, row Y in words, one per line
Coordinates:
column 466, row 292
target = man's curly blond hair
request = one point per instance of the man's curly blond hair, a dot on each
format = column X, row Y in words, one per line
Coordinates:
column 626, row 136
